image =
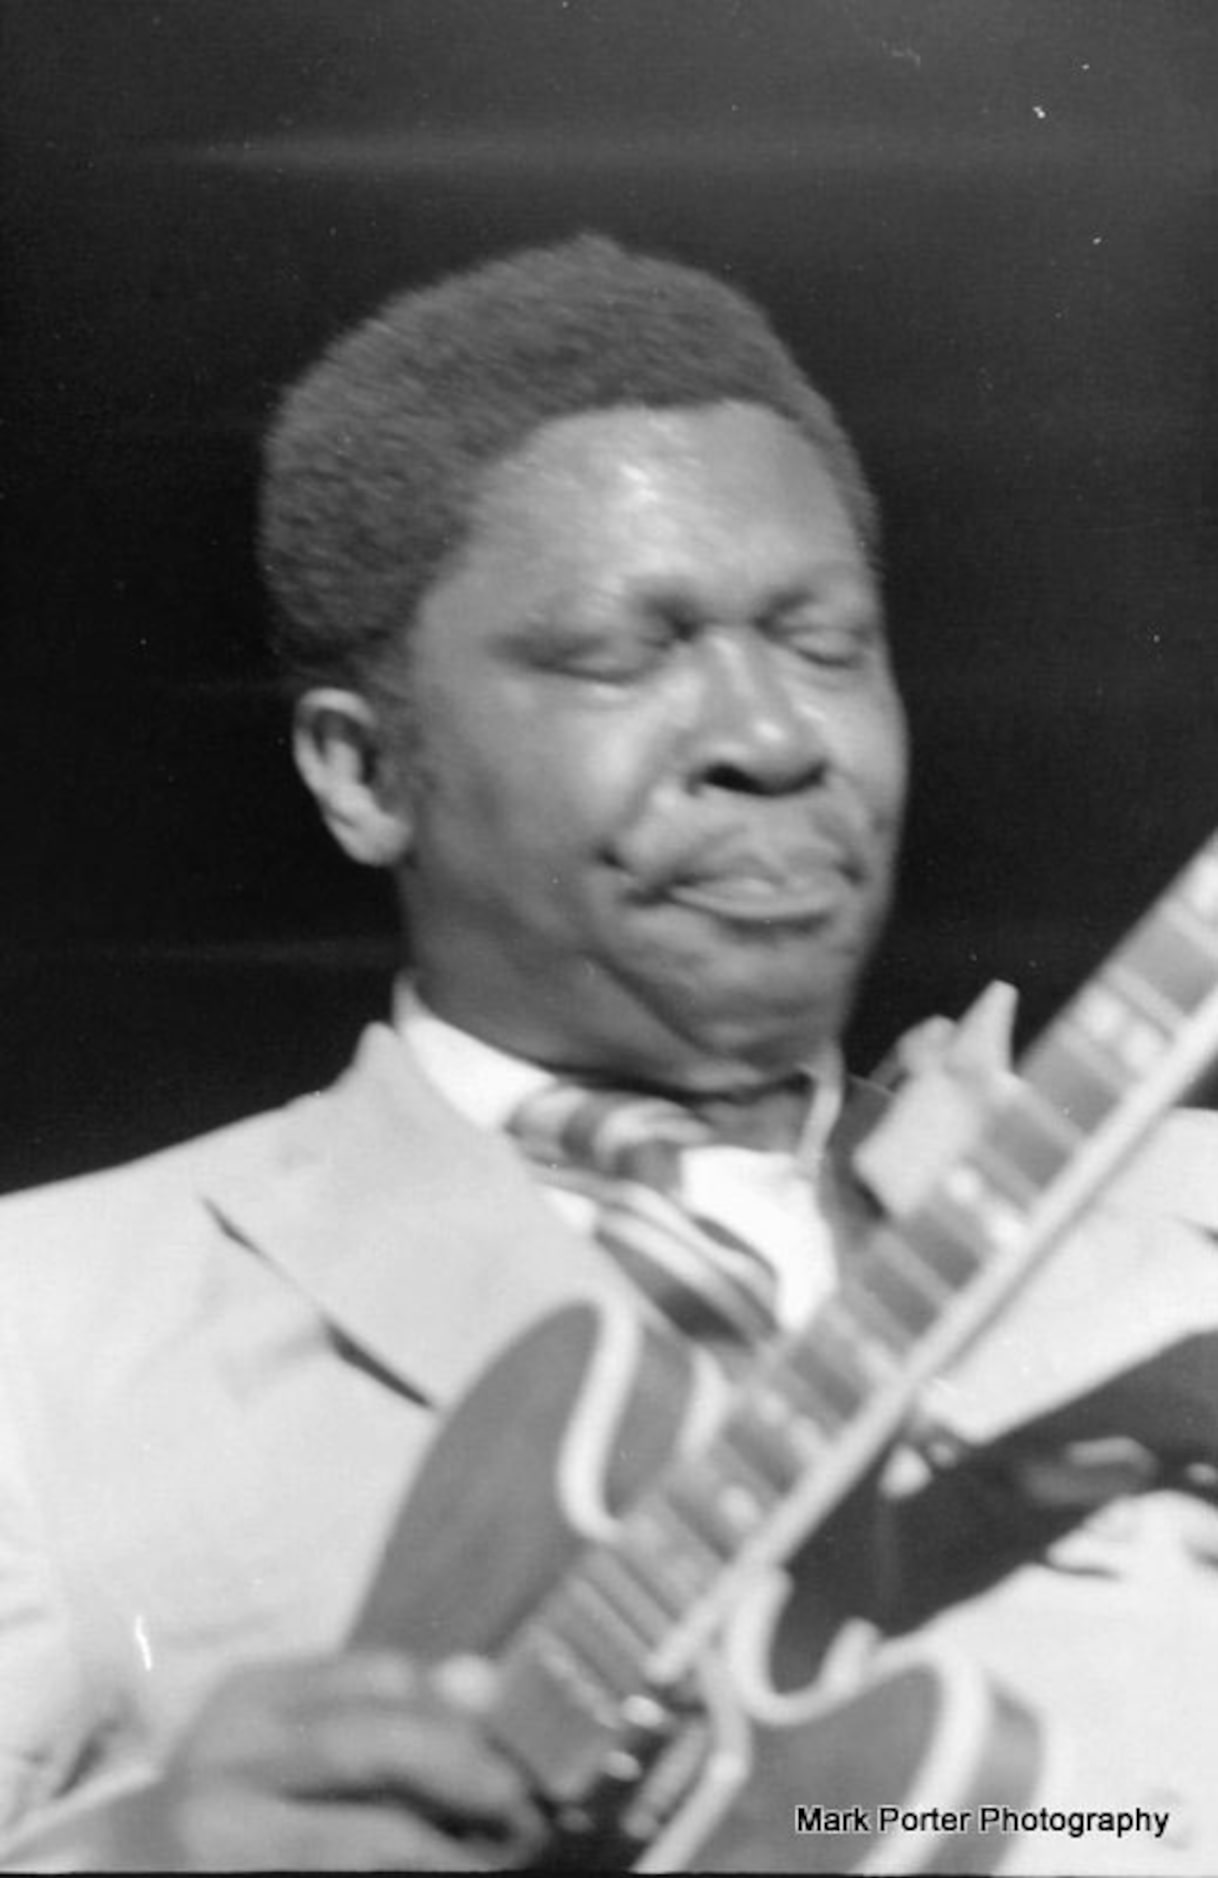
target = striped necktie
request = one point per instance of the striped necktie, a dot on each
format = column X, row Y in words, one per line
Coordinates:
column 624, row 1150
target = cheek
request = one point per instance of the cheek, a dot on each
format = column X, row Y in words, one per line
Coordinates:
column 587, row 758
column 529, row 786
column 875, row 752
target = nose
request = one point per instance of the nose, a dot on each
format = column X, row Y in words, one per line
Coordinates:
column 753, row 734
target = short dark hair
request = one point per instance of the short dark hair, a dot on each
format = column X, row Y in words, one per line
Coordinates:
column 375, row 457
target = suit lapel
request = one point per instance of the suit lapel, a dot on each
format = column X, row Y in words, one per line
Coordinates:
column 422, row 1239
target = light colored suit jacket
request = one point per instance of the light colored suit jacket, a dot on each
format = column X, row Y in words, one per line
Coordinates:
column 220, row 1367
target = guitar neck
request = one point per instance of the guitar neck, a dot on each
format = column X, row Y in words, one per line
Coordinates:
column 817, row 1409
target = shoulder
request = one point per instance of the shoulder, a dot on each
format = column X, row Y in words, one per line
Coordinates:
column 116, row 1196
column 143, row 1244
column 77, row 1252
column 119, row 1205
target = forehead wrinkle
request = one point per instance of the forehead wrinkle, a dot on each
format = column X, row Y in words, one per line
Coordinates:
column 638, row 484
column 596, row 453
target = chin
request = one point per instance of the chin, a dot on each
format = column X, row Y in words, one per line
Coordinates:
column 765, row 1009
column 772, row 1037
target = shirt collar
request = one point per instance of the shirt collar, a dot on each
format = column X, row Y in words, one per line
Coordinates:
column 487, row 1085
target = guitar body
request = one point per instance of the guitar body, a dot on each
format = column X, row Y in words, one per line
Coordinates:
column 586, row 1404
column 558, row 1438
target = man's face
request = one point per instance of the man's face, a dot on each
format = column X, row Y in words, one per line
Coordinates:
column 662, row 761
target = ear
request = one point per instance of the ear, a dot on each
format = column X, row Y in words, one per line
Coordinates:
column 339, row 747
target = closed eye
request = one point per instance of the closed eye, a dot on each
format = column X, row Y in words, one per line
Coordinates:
column 626, row 651
column 835, row 644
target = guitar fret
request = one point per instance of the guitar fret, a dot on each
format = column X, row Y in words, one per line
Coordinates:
column 596, row 1630
column 826, row 1401
column 646, row 1603
column 1031, row 1138
column 850, row 1321
column 764, row 1446
column 903, row 1283
column 1001, row 1177
column 1197, row 887
column 1117, row 1030
column 720, row 1514
column 991, row 1211
column 742, row 1484
column 543, row 1657
column 962, row 1223
column 827, row 1375
column 943, row 1242
column 1140, row 993
column 1179, row 955
column 1072, row 1080
column 780, row 1404
column 688, row 1561
column 657, row 1550
column 1195, row 915
column 880, row 1338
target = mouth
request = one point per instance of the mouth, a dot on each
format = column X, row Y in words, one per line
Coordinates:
column 759, row 875
column 793, row 864
column 800, row 895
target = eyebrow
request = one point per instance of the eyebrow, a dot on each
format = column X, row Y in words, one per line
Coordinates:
column 549, row 624
column 566, row 614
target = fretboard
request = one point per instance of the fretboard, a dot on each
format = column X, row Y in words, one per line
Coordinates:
column 817, row 1409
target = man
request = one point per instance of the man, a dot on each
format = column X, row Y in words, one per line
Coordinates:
column 576, row 578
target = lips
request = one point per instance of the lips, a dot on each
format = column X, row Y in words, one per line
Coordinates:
column 763, row 873
column 767, row 887
column 747, row 901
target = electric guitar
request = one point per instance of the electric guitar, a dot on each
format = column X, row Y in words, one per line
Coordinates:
column 610, row 1518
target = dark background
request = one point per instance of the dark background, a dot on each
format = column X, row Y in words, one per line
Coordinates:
column 987, row 228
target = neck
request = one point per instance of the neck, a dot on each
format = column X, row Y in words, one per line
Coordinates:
column 732, row 1097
